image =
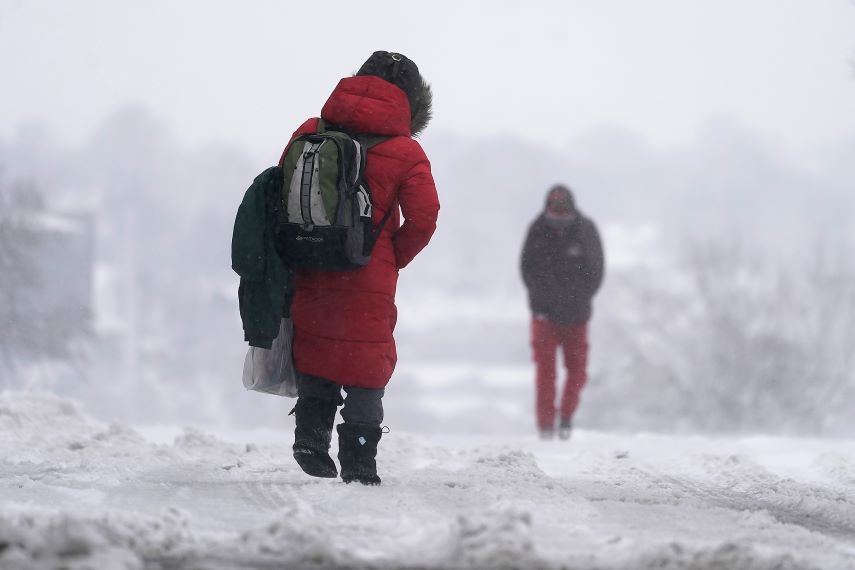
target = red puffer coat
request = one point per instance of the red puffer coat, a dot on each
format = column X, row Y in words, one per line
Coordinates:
column 343, row 321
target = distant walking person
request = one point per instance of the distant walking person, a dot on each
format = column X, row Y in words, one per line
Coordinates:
column 562, row 267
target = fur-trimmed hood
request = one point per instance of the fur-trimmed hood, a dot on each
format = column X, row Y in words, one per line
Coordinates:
column 402, row 72
column 370, row 104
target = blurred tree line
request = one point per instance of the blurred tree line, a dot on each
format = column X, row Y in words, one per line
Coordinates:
column 31, row 327
column 724, row 337
column 733, row 341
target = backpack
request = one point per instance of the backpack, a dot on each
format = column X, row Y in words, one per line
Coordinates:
column 324, row 215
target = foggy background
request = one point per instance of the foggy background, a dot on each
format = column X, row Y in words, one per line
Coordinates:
column 712, row 142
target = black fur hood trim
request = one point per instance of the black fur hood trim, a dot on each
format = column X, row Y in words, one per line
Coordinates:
column 423, row 112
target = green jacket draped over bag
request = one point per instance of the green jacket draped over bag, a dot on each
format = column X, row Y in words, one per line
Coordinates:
column 266, row 287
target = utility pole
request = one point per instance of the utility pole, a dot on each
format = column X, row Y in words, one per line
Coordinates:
column 130, row 344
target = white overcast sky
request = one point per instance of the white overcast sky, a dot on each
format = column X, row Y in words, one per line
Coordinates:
column 247, row 72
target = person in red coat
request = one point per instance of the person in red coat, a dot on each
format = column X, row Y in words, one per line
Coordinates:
column 562, row 268
column 343, row 321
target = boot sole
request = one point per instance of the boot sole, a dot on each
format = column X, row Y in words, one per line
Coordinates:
column 315, row 463
column 367, row 482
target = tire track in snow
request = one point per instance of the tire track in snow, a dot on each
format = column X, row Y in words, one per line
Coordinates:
column 268, row 492
column 210, row 493
column 751, row 488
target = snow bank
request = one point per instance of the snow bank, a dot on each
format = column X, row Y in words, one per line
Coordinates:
column 725, row 557
column 75, row 494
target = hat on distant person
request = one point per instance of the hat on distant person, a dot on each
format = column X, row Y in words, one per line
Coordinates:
column 401, row 71
column 560, row 202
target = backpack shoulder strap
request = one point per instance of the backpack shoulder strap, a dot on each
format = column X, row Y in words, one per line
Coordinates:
column 375, row 231
column 385, row 218
column 365, row 139
column 371, row 140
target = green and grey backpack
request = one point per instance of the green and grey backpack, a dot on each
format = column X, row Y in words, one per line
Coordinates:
column 324, row 215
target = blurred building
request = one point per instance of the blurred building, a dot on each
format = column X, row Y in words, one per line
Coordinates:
column 65, row 261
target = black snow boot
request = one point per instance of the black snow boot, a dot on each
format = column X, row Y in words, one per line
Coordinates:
column 357, row 449
column 312, row 435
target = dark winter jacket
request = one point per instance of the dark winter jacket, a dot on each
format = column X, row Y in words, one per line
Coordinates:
column 265, row 289
column 562, row 269
column 343, row 321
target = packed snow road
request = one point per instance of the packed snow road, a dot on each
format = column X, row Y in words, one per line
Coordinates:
column 77, row 494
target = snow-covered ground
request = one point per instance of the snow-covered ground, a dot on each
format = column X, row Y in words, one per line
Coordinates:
column 77, row 494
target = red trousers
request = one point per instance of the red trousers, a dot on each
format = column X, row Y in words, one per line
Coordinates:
column 546, row 338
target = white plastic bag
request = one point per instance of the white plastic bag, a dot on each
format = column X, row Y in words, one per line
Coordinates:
column 272, row 370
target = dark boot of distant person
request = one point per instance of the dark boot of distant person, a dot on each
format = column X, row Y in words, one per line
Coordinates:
column 565, row 427
column 357, row 450
column 547, row 434
column 312, row 436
